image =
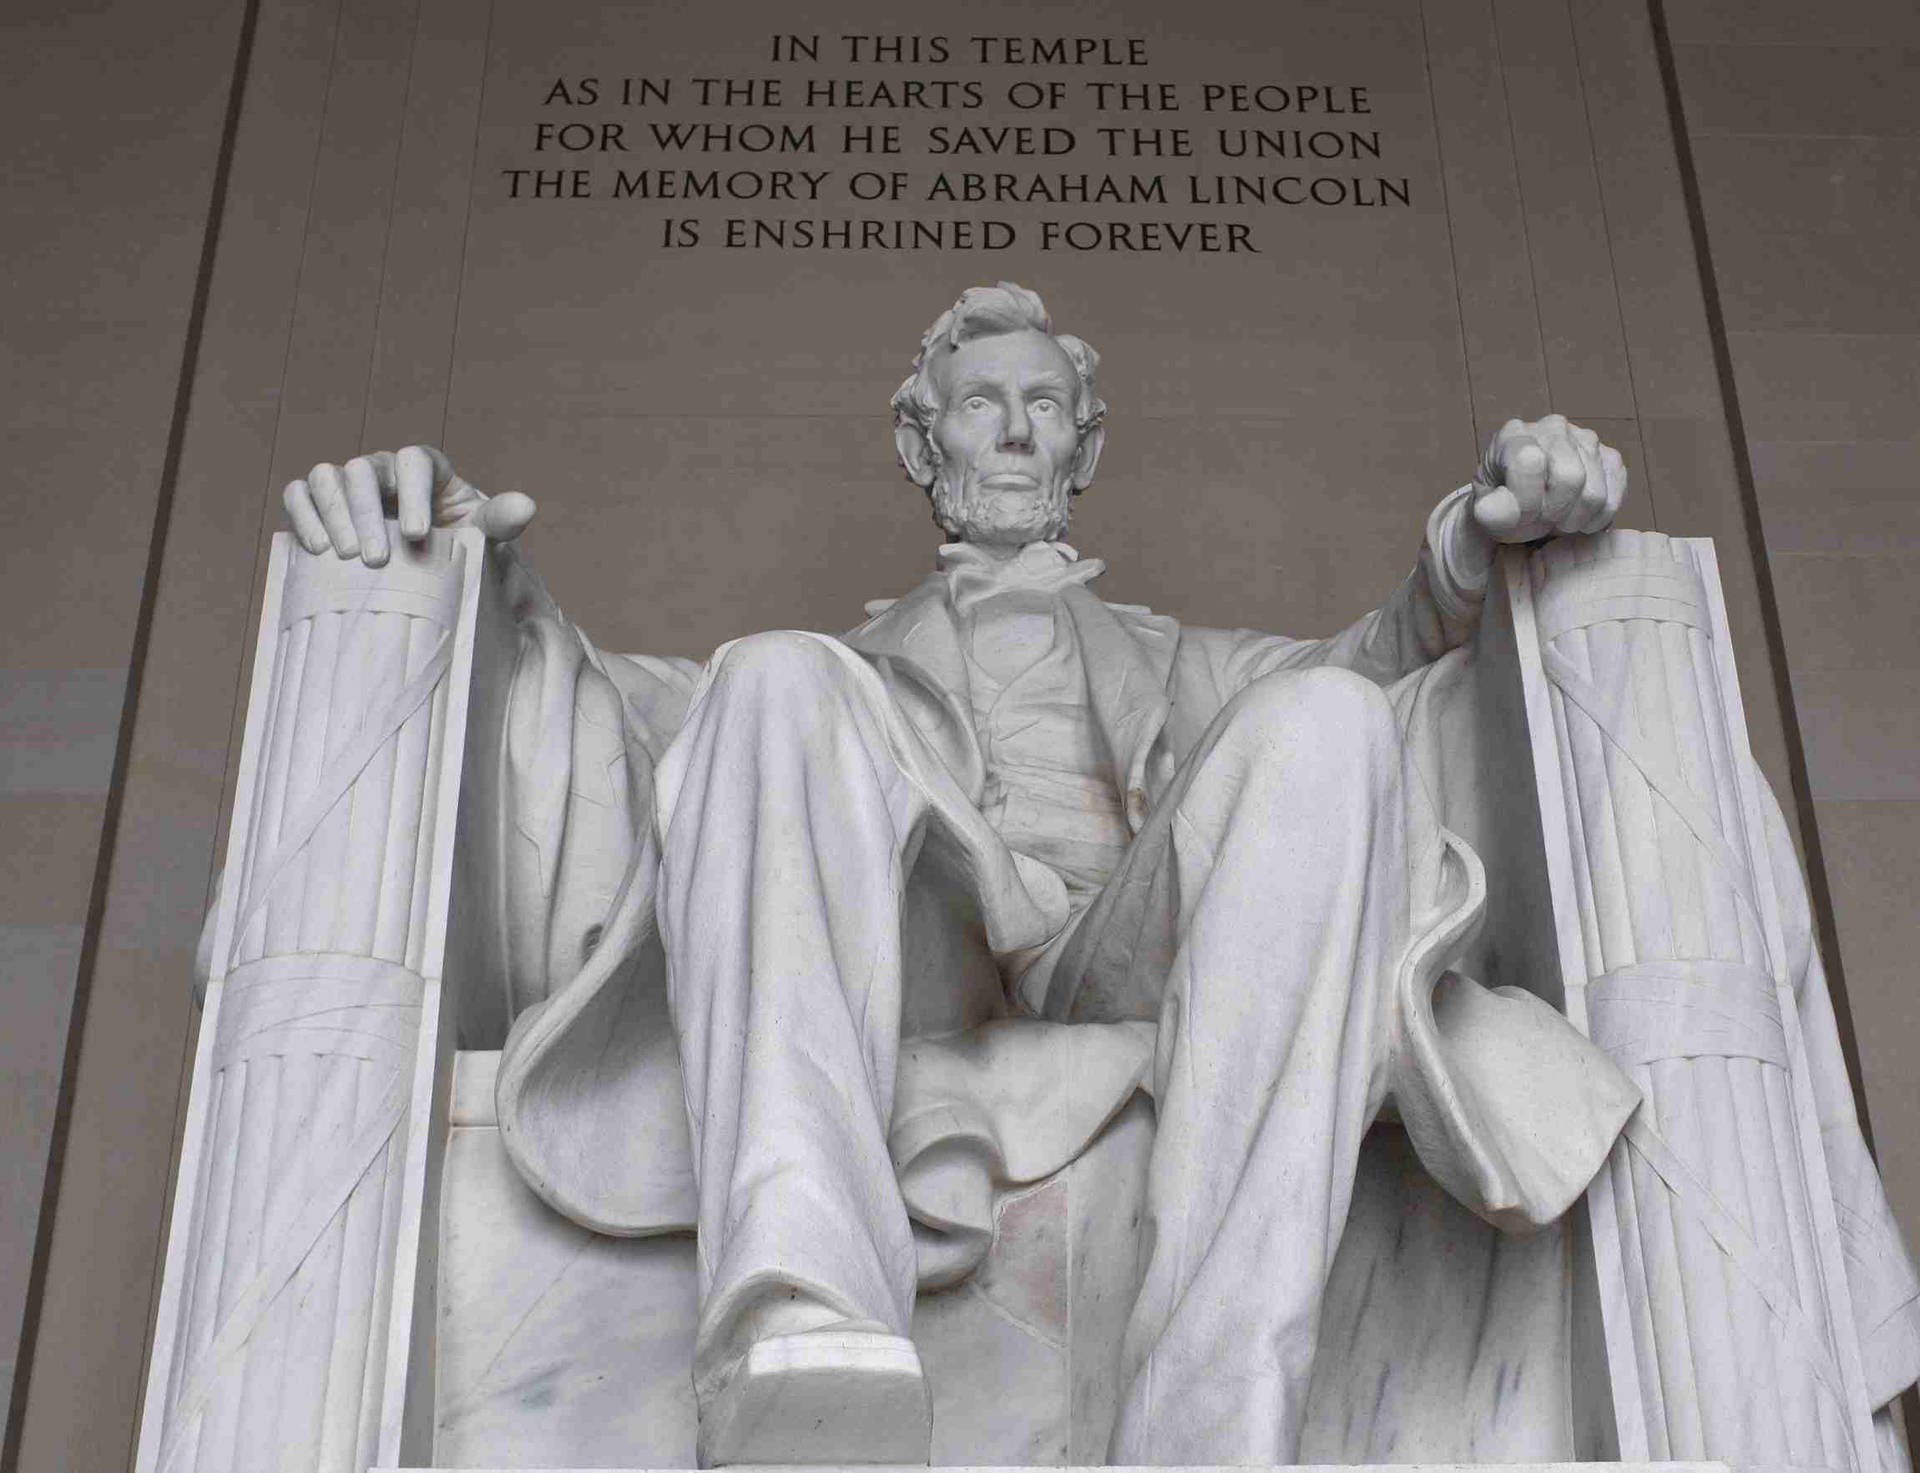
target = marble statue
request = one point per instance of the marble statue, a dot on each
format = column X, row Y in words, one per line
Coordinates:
column 816, row 946
column 1204, row 842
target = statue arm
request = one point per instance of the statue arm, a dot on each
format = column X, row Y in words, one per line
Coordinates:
column 584, row 729
column 1536, row 480
column 1436, row 608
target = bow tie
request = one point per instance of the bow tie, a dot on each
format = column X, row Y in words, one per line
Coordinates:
column 1046, row 568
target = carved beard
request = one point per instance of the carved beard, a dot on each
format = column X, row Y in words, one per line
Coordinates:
column 1001, row 516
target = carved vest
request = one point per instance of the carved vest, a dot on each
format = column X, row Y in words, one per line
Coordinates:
column 1051, row 791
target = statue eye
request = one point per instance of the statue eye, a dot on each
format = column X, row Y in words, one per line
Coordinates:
column 1045, row 406
column 974, row 403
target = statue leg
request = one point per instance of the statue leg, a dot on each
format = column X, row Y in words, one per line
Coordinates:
column 786, row 820
column 1281, row 868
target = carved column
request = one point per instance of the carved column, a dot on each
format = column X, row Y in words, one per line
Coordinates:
column 1728, row 1325
column 285, row 1337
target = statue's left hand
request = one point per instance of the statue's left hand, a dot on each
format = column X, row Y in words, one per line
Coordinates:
column 1544, row 478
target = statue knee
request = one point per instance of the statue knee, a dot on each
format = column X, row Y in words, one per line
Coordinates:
column 783, row 664
column 1323, row 709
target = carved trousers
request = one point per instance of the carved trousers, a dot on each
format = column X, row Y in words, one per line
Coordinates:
column 1258, row 916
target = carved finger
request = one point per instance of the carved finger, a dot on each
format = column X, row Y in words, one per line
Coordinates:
column 1498, row 511
column 504, row 517
column 1524, row 468
column 413, row 482
column 369, row 518
column 1615, row 470
column 1499, row 450
column 330, row 500
column 1566, row 479
column 307, row 526
column 1592, row 501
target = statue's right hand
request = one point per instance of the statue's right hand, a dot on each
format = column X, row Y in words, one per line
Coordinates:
column 347, row 507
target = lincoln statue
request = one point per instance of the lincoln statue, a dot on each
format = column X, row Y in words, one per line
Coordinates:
column 859, row 925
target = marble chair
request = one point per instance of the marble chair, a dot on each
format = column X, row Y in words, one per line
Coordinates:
column 357, row 1277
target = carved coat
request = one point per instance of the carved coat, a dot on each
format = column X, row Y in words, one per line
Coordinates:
column 590, row 1098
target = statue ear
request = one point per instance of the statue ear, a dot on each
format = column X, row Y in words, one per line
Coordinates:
column 1088, row 456
column 916, row 453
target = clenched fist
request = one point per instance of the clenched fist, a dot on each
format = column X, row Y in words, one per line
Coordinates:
column 347, row 507
column 1544, row 478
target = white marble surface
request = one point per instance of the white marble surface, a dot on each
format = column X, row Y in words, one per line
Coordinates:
column 1130, row 823
column 1719, row 1248
column 300, row 1256
column 558, row 1345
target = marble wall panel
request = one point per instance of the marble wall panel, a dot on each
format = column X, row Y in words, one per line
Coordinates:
column 1565, row 216
column 1761, row 22
column 1811, row 88
column 37, row 967
column 109, row 121
column 1505, row 355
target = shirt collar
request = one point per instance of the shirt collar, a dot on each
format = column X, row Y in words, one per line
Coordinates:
column 1039, row 567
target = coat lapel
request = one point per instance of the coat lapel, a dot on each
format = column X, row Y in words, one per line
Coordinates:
column 1127, row 653
column 914, row 642
column 921, row 630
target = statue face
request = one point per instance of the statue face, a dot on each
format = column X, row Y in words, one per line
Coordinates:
column 1008, row 452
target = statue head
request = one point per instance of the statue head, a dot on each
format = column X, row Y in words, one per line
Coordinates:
column 998, row 422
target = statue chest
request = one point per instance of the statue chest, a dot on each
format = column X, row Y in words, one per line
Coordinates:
column 1050, row 789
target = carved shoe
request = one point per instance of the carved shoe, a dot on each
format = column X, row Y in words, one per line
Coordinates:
column 825, row 1396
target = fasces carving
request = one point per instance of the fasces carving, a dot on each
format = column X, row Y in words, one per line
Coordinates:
column 301, row 1180
column 828, row 948
column 1733, row 1335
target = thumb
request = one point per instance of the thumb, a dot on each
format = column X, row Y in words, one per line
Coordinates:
column 504, row 517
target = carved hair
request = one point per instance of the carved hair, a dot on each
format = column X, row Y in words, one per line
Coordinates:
column 987, row 311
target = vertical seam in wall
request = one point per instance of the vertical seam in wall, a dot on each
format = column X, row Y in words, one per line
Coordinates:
column 1520, row 198
column 1826, row 932
column 393, row 219
column 123, row 742
column 271, row 505
column 1453, row 253
column 466, row 226
column 1613, row 268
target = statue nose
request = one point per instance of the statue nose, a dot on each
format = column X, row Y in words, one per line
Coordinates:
column 1018, row 433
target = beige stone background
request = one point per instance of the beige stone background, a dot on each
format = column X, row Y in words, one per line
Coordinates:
column 248, row 234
